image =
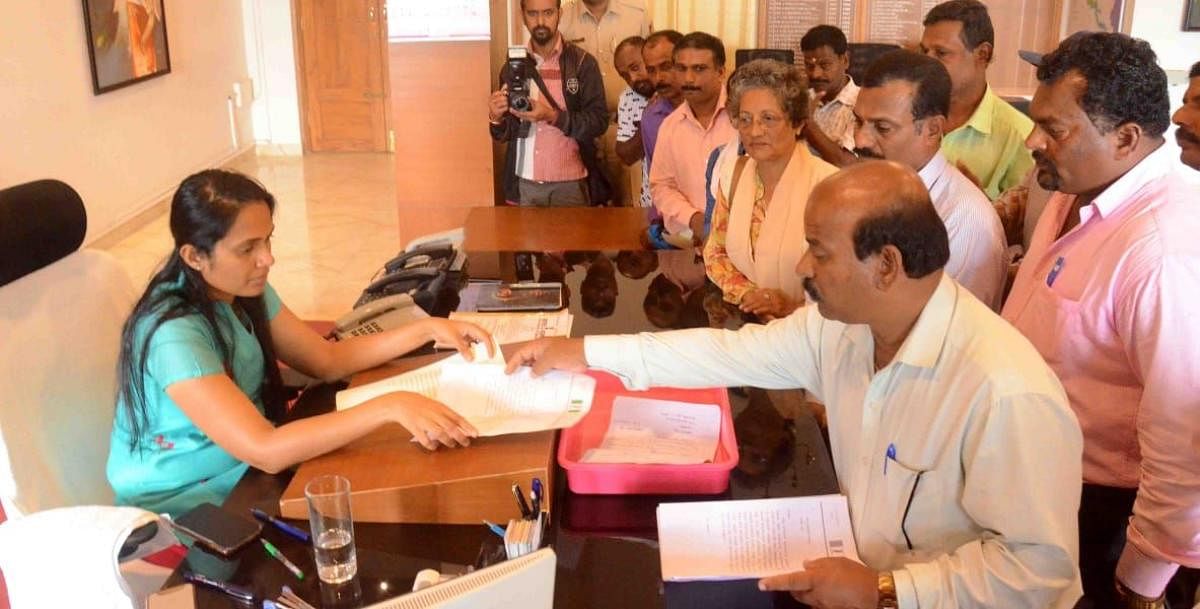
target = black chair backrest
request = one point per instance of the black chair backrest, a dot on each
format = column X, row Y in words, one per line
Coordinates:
column 742, row 56
column 40, row 223
column 862, row 54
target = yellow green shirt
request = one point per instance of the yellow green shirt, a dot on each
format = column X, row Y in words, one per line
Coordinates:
column 992, row 145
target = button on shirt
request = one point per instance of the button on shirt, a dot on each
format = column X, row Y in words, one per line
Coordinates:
column 548, row 154
column 977, row 240
column 836, row 118
column 629, row 115
column 677, row 174
column 1112, row 307
column 992, row 145
column 600, row 37
column 983, row 482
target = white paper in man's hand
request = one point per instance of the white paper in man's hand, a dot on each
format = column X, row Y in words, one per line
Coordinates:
column 719, row 540
column 497, row 403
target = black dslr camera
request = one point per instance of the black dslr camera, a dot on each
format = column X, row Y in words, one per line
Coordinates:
column 519, row 72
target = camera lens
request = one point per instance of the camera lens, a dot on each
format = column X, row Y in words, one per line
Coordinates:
column 520, row 103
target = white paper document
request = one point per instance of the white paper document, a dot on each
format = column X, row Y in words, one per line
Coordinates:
column 719, row 540
column 497, row 403
column 509, row 328
column 423, row 380
column 494, row 402
column 658, row 431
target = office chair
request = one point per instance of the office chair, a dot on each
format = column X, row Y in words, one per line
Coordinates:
column 61, row 311
column 742, row 56
column 863, row 54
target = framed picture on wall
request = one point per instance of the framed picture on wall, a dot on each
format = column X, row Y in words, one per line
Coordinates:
column 1191, row 16
column 126, row 42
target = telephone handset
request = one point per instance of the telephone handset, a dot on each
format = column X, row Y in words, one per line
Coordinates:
column 417, row 282
column 378, row 315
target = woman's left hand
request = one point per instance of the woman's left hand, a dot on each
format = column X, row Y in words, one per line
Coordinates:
column 460, row 335
column 768, row 303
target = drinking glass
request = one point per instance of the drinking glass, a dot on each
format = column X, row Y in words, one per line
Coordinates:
column 332, row 528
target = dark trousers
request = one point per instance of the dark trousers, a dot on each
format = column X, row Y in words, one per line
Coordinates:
column 1104, row 513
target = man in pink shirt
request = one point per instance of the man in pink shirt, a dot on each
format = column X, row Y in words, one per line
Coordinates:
column 1187, row 119
column 689, row 134
column 1107, row 295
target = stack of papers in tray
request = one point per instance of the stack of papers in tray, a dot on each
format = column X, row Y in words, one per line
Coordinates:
column 494, row 402
column 658, row 431
column 719, row 540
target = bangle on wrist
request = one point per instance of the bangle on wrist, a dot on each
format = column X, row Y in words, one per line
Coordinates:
column 887, row 591
column 1132, row 600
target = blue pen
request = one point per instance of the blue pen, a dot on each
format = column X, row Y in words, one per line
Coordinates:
column 1058, row 266
column 537, row 494
column 495, row 528
column 298, row 533
column 889, row 456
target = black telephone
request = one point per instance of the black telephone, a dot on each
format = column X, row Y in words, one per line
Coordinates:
column 428, row 275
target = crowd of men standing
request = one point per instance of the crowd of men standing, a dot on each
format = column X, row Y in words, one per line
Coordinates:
column 1074, row 471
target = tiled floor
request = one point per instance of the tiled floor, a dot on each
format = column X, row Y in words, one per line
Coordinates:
column 336, row 223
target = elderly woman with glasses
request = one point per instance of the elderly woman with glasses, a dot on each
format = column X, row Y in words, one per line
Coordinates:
column 757, row 235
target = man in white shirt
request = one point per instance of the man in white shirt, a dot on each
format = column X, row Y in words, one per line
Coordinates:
column 901, row 113
column 951, row 437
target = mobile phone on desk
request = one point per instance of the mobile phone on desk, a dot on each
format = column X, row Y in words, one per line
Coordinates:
column 216, row 529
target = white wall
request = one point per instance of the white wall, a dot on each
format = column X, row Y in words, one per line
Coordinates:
column 124, row 150
column 1161, row 23
column 271, row 61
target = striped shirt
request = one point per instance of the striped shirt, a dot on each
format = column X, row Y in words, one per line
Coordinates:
column 976, row 237
column 548, row 154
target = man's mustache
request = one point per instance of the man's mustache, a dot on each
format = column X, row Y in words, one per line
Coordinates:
column 1040, row 159
column 1183, row 134
column 864, row 153
column 810, row 288
column 690, row 88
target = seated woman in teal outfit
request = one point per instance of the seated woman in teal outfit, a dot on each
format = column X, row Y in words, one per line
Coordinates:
column 199, row 395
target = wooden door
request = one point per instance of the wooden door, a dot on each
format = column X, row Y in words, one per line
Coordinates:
column 341, row 62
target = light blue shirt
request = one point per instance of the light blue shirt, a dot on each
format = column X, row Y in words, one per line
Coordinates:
column 177, row 466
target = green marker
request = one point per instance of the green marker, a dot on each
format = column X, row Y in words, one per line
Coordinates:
column 276, row 554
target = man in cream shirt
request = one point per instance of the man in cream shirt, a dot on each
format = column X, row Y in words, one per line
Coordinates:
column 951, row 437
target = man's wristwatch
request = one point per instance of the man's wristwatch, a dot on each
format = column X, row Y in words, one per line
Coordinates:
column 1132, row 600
column 887, row 591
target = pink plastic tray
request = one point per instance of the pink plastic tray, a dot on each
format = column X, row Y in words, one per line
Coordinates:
column 634, row 479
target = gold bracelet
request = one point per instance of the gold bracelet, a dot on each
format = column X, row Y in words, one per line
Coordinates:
column 1133, row 600
column 887, row 591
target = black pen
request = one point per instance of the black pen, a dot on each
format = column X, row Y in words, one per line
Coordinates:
column 237, row 592
column 524, row 507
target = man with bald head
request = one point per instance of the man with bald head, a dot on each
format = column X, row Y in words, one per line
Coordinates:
column 951, row 437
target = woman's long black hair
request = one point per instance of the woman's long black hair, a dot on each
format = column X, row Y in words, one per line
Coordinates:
column 202, row 211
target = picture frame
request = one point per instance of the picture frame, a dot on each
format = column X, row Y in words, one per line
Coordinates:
column 1191, row 16
column 126, row 42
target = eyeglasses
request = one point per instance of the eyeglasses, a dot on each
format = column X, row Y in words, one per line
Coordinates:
column 770, row 122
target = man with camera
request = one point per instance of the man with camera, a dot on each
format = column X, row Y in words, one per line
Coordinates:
column 549, row 109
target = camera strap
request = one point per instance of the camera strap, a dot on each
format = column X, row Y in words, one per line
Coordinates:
column 541, row 85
